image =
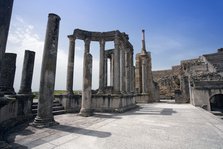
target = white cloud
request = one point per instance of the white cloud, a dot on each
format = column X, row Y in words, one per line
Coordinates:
column 23, row 36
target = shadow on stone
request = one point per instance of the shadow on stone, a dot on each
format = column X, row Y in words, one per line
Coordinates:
column 82, row 131
column 151, row 111
column 106, row 115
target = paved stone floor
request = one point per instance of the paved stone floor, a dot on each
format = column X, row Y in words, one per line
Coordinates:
column 151, row 126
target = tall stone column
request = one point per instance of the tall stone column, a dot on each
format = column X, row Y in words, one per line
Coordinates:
column 111, row 69
column 144, row 76
column 86, row 109
column 132, row 72
column 5, row 17
column 102, row 66
column 116, row 78
column 105, row 72
column 138, row 74
column 122, row 70
column 27, row 73
column 127, row 71
column 44, row 116
column 70, row 65
column 8, row 74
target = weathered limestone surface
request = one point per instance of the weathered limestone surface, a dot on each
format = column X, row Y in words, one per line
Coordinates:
column 44, row 116
column 86, row 109
column 116, row 78
column 121, row 71
column 70, row 65
column 144, row 84
column 8, row 74
column 27, row 72
column 5, row 17
column 102, row 71
column 168, row 81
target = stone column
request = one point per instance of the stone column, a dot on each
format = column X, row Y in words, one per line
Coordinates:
column 122, row 70
column 105, row 72
column 102, row 66
column 132, row 72
column 144, row 76
column 70, row 65
column 127, row 72
column 111, row 69
column 44, row 116
column 27, row 73
column 5, row 17
column 87, row 78
column 138, row 74
column 8, row 74
column 116, row 78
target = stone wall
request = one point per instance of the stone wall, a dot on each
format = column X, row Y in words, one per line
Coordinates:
column 168, row 81
column 99, row 102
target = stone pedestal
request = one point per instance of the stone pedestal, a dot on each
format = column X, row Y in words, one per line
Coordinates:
column 86, row 109
column 44, row 116
column 24, row 105
column 8, row 74
column 27, row 73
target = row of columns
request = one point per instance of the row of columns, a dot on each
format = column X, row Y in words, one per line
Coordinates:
column 121, row 69
column 121, row 66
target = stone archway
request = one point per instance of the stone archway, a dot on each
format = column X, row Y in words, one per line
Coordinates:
column 216, row 102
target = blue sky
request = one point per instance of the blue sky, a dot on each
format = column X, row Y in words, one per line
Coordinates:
column 175, row 30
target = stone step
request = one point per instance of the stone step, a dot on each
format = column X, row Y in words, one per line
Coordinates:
column 55, row 103
column 54, row 112
column 55, row 108
column 59, row 112
column 217, row 113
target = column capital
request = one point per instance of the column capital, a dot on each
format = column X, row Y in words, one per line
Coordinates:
column 102, row 41
column 87, row 41
column 71, row 37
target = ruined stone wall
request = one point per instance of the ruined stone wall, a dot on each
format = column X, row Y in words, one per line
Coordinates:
column 168, row 81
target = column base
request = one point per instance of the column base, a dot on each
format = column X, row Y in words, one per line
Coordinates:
column 42, row 123
column 100, row 91
column 86, row 112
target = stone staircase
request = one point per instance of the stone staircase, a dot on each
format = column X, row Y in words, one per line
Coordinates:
column 57, row 108
column 218, row 114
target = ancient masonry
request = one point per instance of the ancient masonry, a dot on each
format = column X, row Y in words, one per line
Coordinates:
column 48, row 73
column 146, row 89
column 197, row 81
column 119, row 95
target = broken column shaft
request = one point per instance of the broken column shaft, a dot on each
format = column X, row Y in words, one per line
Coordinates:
column 8, row 74
column 70, row 65
column 27, row 72
column 86, row 109
column 44, row 116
